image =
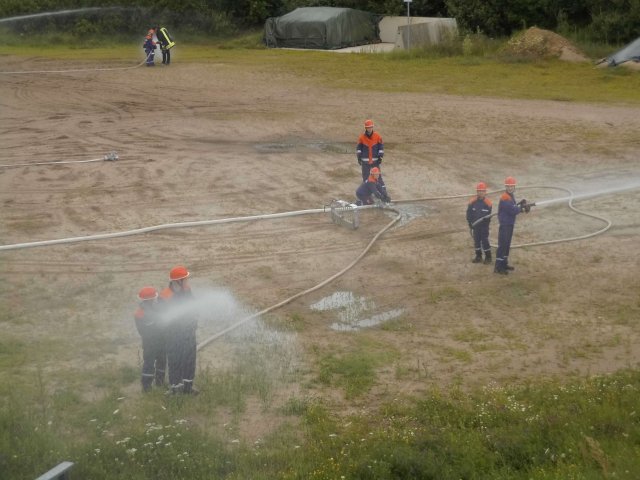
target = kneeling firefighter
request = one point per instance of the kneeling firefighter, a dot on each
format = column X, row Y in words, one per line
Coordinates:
column 371, row 188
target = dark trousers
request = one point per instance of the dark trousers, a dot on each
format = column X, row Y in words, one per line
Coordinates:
column 505, row 234
column 154, row 363
column 181, row 352
column 166, row 56
column 481, row 238
column 151, row 53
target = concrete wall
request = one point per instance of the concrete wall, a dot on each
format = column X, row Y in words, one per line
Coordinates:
column 423, row 31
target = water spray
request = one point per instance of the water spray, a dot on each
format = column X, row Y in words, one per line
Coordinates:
column 583, row 196
column 57, row 13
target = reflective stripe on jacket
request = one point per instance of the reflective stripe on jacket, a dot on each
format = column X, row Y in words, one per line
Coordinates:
column 370, row 147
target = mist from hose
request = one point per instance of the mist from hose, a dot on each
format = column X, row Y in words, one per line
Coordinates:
column 255, row 349
column 60, row 13
column 213, row 307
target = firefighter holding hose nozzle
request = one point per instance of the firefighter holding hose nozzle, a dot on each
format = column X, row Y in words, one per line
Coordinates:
column 149, row 47
column 508, row 209
column 154, row 357
column 180, row 331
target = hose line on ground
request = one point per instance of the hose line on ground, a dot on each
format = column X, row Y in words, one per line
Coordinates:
column 206, row 342
column 60, row 162
column 558, row 240
column 77, row 70
column 209, row 340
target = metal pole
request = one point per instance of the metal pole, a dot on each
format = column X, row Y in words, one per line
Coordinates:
column 408, row 2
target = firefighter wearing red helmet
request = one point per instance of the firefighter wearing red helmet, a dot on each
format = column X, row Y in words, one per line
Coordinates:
column 369, row 152
column 148, row 324
column 371, row 188
column 508, row 209
column 479, row 218
column 180, row 331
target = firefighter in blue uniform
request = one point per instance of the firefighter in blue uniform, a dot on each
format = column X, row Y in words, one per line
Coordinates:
column 508, row 209
column 149, row 47
column 180, row 331
column 166, row 44
column 370, row 151
column 479, row 207
column 154, row 357
column 371, row 188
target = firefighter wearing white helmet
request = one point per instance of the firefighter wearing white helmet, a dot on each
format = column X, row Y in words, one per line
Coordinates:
column 508, row 209
column 479, row 218
column 180, row 331
column 154, row 357
column 369, row 152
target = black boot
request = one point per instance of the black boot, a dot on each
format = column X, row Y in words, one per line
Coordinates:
column 487, row 258
column 478, row 258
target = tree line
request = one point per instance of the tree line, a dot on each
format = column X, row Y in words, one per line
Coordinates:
column 612, row 21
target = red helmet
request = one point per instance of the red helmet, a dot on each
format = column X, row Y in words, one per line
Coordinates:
column 509, row 182
column 374, row 171
column 481, row 187
column 178, row 273
column 368, row 124
column 147, row 293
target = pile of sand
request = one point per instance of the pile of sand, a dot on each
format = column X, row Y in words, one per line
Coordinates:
column 538, row 43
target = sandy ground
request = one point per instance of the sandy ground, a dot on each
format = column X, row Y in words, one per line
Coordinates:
column 209, row 141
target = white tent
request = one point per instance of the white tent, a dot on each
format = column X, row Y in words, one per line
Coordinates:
column 629, row 52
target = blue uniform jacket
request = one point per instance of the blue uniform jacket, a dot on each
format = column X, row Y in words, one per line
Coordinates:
column 507, row 209
column 478, row 208
column 370, row 148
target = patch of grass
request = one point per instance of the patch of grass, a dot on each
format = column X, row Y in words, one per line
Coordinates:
column 355, row 370
column 474, row 74
column 296, row 406
column 13, row 352
column 443, row 294
column 457, row 354
column 470, row 334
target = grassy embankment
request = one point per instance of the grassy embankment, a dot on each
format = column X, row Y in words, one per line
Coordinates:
column 482, row 72
column 578, row 428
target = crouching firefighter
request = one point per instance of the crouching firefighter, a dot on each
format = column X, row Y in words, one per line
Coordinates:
column 479, row 218
column 371, row 188
column 508, row 209
column 154, row 357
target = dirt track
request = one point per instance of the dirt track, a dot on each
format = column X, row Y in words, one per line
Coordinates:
column 204, row 141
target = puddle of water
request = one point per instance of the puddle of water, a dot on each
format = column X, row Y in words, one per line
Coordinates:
column 322, row 146
column 350, row 309
column 409, row 211
column 367, row 322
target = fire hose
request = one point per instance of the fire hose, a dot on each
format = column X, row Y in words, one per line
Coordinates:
column 207, row 341
column 570, row 200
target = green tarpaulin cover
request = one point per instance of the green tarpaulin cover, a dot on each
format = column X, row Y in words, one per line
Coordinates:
column 322, row 27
